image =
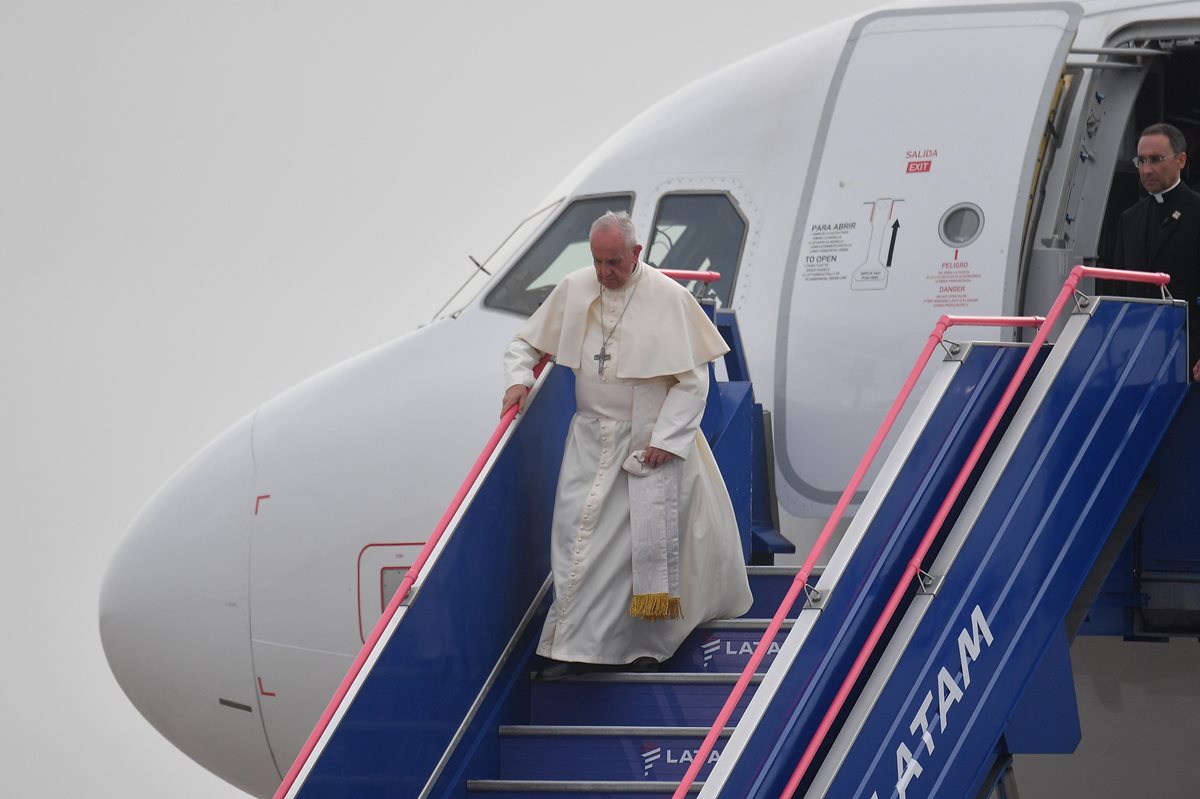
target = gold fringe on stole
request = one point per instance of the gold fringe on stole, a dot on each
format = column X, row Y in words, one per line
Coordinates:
column 655, row 606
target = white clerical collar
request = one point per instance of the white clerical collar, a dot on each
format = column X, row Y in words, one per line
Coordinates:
column 1158, row 197
column 634, row 277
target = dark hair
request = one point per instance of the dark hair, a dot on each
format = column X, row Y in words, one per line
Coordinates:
column 1174, row 135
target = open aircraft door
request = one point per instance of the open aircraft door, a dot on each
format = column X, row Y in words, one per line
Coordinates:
column 914, row 205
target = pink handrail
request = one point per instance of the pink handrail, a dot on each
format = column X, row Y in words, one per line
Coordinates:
column 702, row 277
column 913, row 569
column 810, row 562
column 406, row 585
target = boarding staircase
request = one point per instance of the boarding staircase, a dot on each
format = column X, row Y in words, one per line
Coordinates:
column 928, row 651
column 632, row 734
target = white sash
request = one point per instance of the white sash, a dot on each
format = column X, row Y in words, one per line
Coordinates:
column 653, row 514
column 653, row 491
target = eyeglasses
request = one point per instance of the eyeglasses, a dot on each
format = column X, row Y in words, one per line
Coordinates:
column 1153, row 160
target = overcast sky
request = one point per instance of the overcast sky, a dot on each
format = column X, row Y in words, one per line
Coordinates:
column 203, row 203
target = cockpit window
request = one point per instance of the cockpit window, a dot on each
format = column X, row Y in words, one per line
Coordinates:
column 562, row 249
column 701, row 233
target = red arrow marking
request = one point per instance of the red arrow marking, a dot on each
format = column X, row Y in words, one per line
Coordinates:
column 262, row 690
column 258, row 501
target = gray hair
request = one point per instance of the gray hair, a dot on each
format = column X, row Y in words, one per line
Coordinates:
column 1174, row 136
column 619, row 221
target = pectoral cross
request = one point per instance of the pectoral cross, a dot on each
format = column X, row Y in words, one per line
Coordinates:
column 602, row 358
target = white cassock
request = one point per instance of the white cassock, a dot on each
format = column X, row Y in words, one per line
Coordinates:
column 649, row 325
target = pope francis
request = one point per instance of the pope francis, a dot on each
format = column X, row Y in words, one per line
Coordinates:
column 644, row 544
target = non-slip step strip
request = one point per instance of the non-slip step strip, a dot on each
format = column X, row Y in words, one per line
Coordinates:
column 577, row 786
column 656, row 678
column 645, row 732
column 691, row 699
column 743, row 624
column 779, row 571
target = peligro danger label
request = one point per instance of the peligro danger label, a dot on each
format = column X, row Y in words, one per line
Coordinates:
column 953, row 285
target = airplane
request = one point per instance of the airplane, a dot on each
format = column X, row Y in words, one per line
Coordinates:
column 850, row 186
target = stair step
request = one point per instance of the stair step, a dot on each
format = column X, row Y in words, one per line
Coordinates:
column 743, row 623
column 725, row 646
column 635, row 699
column 635, row 734
column 578, row 789
column 601, row 752
column 770, row 585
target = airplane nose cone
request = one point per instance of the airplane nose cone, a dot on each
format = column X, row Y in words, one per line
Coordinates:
column 175, row 614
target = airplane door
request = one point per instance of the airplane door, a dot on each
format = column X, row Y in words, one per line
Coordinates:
column 913, row 206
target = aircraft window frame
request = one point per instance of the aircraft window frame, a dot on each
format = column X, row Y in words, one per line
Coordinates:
column 519, row 289
column 480, row 276
column 728, row 281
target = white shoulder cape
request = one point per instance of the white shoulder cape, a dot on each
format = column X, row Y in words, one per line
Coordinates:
column 662, row 312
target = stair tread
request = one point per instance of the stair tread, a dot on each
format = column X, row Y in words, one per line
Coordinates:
column 613, row 786
column 603, row 729
column 660, row 677
column 781, row 571
column 605, row 757
column 743, row 624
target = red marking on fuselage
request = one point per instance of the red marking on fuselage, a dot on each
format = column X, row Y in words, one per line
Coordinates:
column 262, row 690
column 362, row 552
column 258, row 501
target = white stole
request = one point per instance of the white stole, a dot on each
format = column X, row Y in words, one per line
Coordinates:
column 654, row 501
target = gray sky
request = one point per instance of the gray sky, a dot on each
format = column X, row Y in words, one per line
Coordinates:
column 203, row 203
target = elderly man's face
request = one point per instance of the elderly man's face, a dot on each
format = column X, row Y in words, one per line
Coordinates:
column 613, row 260
column 1160, row 176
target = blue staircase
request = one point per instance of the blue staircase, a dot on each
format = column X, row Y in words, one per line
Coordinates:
column 449, row 673
column 631, row 734
column 1012, row 568
column 966, row 675
column 974, row 666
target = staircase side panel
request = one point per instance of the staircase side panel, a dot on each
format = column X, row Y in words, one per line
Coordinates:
column 880, row 558
column 952, row 691
column 414, row 699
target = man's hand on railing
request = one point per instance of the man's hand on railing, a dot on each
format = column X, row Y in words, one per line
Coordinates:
column 516, row 395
